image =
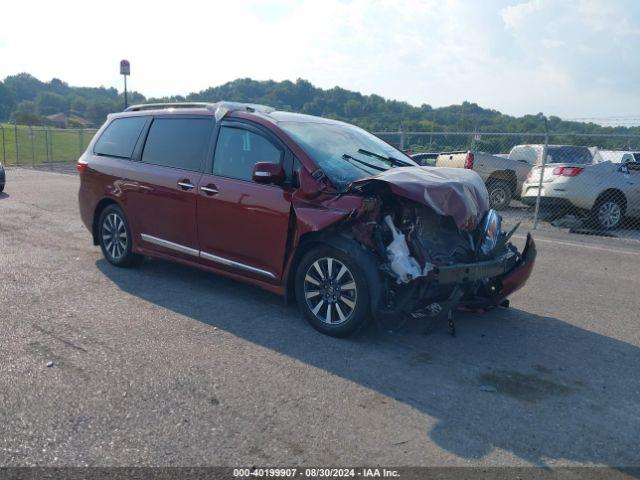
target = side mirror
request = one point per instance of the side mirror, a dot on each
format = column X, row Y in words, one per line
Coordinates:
column 268, row 172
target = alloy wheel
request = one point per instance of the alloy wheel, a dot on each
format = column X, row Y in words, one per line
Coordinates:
column 330, row 291
column 609, row 214
column 114, row 236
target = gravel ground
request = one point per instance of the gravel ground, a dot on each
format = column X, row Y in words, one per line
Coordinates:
column 165, row 365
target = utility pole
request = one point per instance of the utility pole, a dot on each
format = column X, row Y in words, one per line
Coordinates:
column 125, row 70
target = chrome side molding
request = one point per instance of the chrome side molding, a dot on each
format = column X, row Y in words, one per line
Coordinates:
column 207, row 256
column 170, row 245
column 231, row 263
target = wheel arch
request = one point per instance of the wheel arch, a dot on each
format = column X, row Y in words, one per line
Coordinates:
column 350, row 247
column 508, row 176
column 615, row 194
column 102, row 204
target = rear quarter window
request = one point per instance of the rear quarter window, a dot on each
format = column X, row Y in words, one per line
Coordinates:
column 120, row 137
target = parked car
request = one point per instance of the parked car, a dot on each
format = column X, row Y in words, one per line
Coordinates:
column 3, row 178
column 502, row 176
column 615, row 156
column 427, row 159
column 305, row 207
column 604, row 191
column 505, row 175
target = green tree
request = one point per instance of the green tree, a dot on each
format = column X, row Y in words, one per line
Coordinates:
column 49, row 103
column 26, row 114
column 78, row 105
column 24, row 86
column 7, row 102
column 97, row 111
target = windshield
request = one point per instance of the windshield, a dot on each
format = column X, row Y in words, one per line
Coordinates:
column 345, row 153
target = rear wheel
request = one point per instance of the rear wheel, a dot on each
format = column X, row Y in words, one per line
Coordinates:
column 608, row 212
column 115, row 238
column 500, row 194
column 332, row 292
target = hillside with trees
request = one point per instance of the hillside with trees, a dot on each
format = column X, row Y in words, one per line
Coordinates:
column 26, row 100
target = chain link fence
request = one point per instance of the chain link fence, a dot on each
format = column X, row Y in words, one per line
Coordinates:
column 585, row 182
column 42, row 146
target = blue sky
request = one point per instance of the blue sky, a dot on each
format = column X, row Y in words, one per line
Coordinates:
column 571, row 58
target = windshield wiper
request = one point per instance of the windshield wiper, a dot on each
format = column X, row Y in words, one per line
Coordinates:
column 367, row 164
column 393, row 161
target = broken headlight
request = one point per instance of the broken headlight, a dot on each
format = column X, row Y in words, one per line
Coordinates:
column 490, row 232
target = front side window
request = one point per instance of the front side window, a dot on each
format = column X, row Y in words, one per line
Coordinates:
column 238, row 150
column 178, row 142
column 120, row 137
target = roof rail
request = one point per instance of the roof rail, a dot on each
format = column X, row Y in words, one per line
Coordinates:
column 160, row 106
column 220, row 109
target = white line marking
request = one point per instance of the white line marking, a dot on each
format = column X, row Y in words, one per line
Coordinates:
column 581, row 245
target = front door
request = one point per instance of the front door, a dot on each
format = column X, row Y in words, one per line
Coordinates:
column 161, row 187
column 242, row 225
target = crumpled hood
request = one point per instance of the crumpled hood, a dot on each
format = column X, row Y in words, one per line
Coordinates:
column 455, row 192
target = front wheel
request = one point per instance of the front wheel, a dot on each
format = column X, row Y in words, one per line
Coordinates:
column 115, row 238
column 332, row 292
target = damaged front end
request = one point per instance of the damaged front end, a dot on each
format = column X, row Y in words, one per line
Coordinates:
column 438, row 245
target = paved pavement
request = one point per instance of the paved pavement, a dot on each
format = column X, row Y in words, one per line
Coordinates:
column 164, row 365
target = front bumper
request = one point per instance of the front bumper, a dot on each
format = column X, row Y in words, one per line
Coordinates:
column 471, row 272
column 551, row 203
column 480, row 285
column 516, row 278
column 505, row 275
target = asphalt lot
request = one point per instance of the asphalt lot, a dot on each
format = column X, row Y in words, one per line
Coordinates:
column 164, row 365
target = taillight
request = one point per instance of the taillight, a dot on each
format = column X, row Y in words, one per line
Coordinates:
column 81, row 166
column 567, row 171
column 468, row 162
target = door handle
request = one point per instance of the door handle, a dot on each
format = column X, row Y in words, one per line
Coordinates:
column 186, row 184
column 209, row 189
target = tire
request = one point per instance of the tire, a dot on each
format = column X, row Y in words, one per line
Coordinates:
column 115, row 239
column 334, row 310
column 608, row 212
column 1, row 187
column 500, row 194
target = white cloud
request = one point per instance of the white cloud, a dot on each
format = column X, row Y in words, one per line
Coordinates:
column 515, row 16
column 518, row 57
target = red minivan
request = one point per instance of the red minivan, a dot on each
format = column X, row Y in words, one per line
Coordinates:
column 313, row 209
